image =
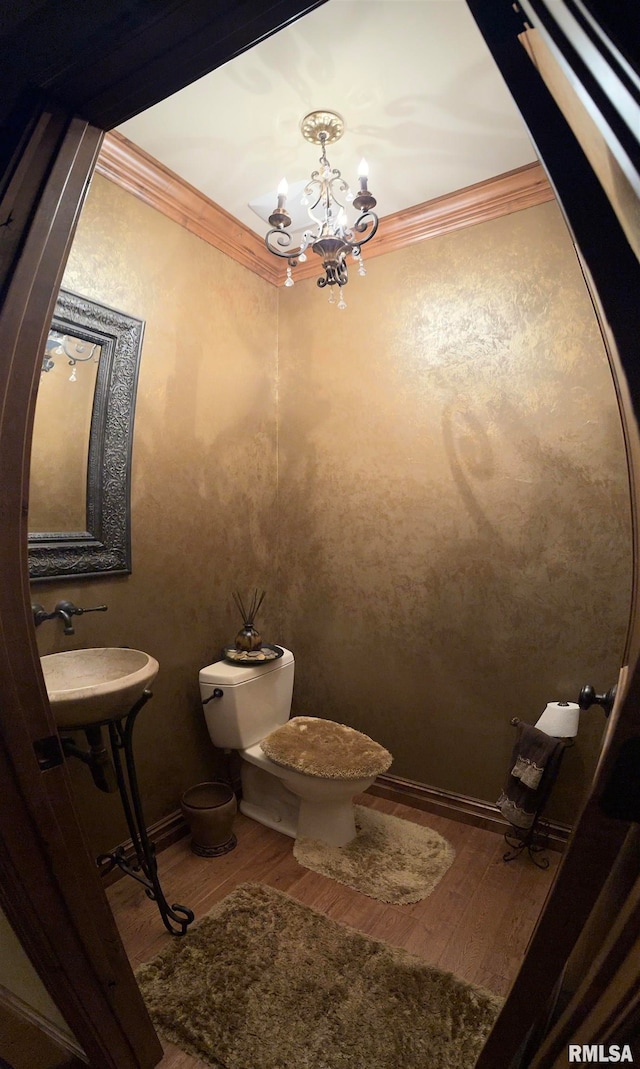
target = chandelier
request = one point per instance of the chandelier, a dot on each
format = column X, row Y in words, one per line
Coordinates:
column 326, row 194
column 75, row 350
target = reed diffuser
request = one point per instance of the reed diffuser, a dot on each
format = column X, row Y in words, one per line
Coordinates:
column 248, row 638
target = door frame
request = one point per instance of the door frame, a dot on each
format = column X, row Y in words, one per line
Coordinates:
column 49, row 885
column 45, row 866
column 612, row 274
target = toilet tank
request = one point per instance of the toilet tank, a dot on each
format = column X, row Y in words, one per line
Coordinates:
column 254, row 700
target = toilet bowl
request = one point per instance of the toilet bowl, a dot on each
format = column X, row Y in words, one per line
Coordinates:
column 246, row 708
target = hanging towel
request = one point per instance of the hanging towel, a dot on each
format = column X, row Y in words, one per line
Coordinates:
column 524, row 793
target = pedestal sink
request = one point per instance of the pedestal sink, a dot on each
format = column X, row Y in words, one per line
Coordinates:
column 94, row 686
column 91, row 689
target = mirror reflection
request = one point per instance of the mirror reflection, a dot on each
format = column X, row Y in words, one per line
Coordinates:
column 79, row 507
column 59, row 460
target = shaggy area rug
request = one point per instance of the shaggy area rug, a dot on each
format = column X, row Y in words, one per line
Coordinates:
column 263, row 982
column 390, row 859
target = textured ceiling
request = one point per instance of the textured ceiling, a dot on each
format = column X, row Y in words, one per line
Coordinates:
column 419, row 93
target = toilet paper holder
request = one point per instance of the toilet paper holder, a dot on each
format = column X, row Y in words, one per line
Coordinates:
column 587, row 698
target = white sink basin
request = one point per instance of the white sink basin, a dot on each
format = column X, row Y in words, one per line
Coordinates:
column 96, row 685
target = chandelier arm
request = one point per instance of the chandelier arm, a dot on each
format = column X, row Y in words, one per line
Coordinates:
column 75, row 358
column 282, row 239
column 362, row 223
column 348, row 236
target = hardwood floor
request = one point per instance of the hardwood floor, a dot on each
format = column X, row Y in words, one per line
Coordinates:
column 476, row 923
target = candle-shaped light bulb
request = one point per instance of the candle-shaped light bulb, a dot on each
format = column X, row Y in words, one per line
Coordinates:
column 280, row 217
column 364, row 202
column 283, row 189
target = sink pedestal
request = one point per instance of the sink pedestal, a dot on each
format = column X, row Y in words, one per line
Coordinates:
column 88, row 690
column 141, row 863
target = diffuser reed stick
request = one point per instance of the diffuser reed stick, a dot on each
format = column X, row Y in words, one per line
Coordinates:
column 248, row 638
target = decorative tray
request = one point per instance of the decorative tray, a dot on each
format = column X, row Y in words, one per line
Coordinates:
column 266, row 653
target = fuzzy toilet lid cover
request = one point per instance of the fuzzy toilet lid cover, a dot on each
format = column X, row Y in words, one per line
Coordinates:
column 323, row 748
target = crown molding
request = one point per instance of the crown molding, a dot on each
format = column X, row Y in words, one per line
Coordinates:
column 140, row 174
column 510, row 192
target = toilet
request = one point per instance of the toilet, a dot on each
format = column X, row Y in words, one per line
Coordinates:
column 299, row 776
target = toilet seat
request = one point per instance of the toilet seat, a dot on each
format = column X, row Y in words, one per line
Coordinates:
column 325, row 749
column 298, row 803
column 255, row 755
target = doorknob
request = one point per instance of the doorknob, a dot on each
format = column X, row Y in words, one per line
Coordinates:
column 588, row 697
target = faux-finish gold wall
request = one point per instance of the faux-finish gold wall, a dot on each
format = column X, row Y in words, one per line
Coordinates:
column 204, row 481
column 452, row 523
column 453, row 518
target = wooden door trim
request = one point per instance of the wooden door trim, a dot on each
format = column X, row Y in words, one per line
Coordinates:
column 613, row 274
column 22, row 688
column 49, row 887
column 111, row 61
column 605, row 1008
column 25, row 1012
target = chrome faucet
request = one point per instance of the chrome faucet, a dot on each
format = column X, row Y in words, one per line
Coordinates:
column 66, row 610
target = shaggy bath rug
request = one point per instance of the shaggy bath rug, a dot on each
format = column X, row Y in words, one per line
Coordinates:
column 390, row 859
column 263, row 982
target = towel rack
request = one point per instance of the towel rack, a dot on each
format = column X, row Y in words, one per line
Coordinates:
column 568, row 743
column 535, row 839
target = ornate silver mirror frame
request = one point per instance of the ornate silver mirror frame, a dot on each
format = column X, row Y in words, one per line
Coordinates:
column 104, row 548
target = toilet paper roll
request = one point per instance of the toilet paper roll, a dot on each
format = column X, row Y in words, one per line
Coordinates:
column 560, row 719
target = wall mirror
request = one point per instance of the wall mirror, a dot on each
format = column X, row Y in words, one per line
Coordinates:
column 79, row 499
